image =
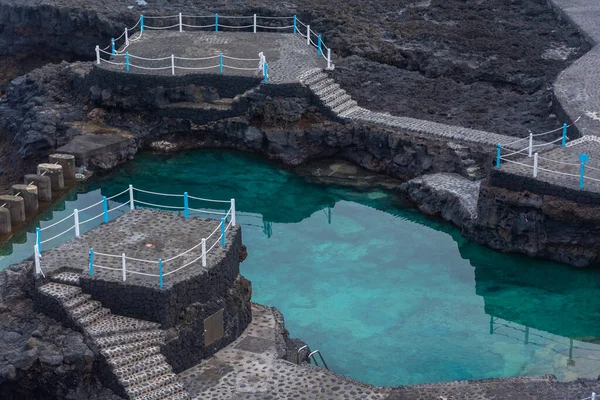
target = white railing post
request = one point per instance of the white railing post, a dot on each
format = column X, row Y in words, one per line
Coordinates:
column 308, row 35
column 233, row 212
column 131, row 201
column 97, row 54
column 593, row 396
column 530, row 144
column 328, row 58
column 172, row 64
column 36, row 253
column 261, row 58
column 254, row 23
column 535, row 165
column 124, row 262
column 203, row 252
column 126, row 37
column 180, row 23
column 76, row 217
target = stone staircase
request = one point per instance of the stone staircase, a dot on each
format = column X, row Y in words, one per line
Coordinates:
column 130, row 346
column 470, row 167
column 330, row 93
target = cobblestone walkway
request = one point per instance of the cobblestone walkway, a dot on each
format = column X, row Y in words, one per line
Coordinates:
column 252, row 368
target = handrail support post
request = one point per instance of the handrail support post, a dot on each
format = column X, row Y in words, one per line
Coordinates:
column 38, row 239
column 223, row 232
column 124, row 263
column 76, row 218
column 186, row 210
column 564, row 135
column 105, row 208
column 203, row 252
column 233, row 219
column 131, row 201
column 498, row 154
column 254, row 23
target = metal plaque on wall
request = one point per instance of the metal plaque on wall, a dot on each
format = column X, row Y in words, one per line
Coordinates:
column 213, row 328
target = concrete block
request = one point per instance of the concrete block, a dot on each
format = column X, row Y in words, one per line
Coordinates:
column 5, row 225
column 67, row 162
column 55, row 172
column 16, row 206
column 29, row 193
column 43, row 184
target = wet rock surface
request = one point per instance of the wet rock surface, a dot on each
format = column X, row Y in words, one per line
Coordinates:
column 39, row 358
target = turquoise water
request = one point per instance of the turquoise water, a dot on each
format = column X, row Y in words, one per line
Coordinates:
column 388, row 296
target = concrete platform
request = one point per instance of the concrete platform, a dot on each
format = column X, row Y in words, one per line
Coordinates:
column 87, row 146
column 147, row 235
column 288, row 55
column 252, row 368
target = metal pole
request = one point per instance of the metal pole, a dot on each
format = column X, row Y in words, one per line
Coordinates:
column 186, row 211
column 127, row 61
column 160, row 268
column 593, row 396
column 564, row 137
column 113, row 50
column 180, row 23
column 220, row 63
column 530, row 144
column 498, row 155
column 76, row 217
column 126, row 37
column 223, row 232
column 105, row 208
column 97, row 54
column 216, row 22
column 124, row 262
column 254, row 23
column 91, row 262
column 535, row 165
column 131, row 201
column 295, row 25
column 38, row 240
column 233, row 221
column 308, row 35
column 36, row 254
column 141, row 23
column 320, row 51
column 265, row 71
column 328, row 58
column 583, row 158
column 172, row 64
column 203, row 252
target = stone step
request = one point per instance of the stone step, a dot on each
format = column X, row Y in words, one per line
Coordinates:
column 174, row 391
column 85, row 308
column 344, row 106
column 117, row 324
column 146, row 375
column 123, row 360
column 117, row 351
column 77, row 301
column 467, row 162
column 59, row 291
column 104, row 342
column 324, row 87
column 332, row 95
column 315, row 78
column 93, row 316
column 355, row 112
column 475, row 173
column 68, row 278
column 148, row 387
column 307, row 74
column 339, row 100
column 141, row 365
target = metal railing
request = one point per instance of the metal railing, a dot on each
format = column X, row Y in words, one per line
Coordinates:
column 227, row 220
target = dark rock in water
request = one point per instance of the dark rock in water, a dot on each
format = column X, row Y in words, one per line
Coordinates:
column 40, row 358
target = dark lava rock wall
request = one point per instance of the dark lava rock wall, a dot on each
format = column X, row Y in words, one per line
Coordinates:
column 542, row 226
column 166, row 305
column 39, row 358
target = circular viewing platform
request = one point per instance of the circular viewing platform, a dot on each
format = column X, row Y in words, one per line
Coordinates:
column 198, row 52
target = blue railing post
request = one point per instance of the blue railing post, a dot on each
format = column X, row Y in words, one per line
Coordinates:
column 564, row 139
column 295, row 25
column 141, row 23
column 223, row 232
column 91, row 261
column 498, row 155
column 583, row 158
column 319, row 45
column 38, row 239
column 265, row 66
column 105, row 208
column 216, row 22
column 160, row 271
column 220, row 63
column 113, row 50
column 186, row 210
column 127, row 61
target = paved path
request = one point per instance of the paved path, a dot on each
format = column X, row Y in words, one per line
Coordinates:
column 252, row 368
column 577, row 88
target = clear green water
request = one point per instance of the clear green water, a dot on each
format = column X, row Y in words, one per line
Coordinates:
column 389, row 296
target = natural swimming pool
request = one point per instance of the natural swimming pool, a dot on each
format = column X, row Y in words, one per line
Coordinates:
column 388, row 296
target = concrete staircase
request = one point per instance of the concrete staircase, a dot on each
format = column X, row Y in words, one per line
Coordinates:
column 130, row 346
